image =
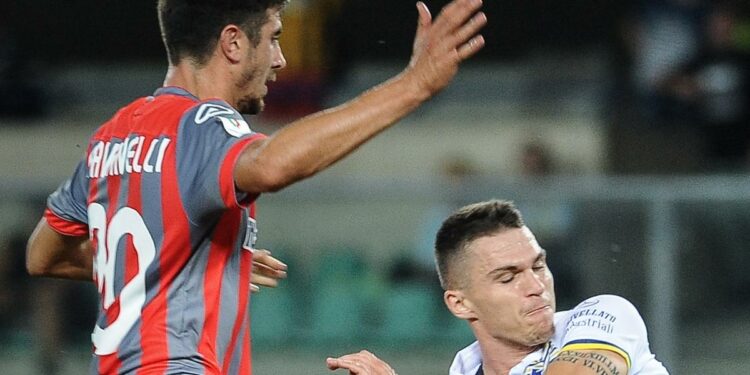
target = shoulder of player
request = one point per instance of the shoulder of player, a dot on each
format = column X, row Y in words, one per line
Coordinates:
column 211, row 109
column 606, row 301
column 112, row 126
column 217, row 112
column 606, row 312
column 467, row 358
column 175, row 104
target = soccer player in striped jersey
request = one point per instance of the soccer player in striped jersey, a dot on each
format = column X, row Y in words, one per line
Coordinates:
column 160, row 210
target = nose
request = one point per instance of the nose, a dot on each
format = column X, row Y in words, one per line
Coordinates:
column 533, row 283
column 279, row 62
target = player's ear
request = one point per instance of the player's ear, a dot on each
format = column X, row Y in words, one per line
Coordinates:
column 231, row 43
column 458, row 304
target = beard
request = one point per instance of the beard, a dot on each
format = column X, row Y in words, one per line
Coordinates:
column 250, row 106
column 541, row 336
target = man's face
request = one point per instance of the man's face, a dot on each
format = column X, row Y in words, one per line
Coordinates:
column 261, row 65
column 510, row 289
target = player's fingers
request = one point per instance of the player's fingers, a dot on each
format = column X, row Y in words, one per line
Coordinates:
column 261, row 280
column 376, row 364
column 264, row 281
column 425, row 19
column 264, row 256
column 454, row 15
column 351, row 362
column 471, row 47
column 262, row 269
column 360, row 363
column 332, row 363
column 367, row 354
column 352, row 365
column 263, row 275
column 468, row 30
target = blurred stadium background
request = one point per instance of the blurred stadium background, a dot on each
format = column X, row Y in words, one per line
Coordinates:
column 620, row 128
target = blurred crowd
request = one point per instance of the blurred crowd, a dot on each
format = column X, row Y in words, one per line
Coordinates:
column 688, row 71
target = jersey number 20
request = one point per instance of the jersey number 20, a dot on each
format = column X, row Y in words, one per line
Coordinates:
column 107, row 237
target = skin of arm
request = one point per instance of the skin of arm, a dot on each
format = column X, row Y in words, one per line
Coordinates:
column 52, row 254
column 362, row 363
column 585, row 362
column 313, row 143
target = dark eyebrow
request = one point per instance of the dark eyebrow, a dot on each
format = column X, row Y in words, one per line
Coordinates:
column 499, row 270
column 514, row 268
column 542, row 255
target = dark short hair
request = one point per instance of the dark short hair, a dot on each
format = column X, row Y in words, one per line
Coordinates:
column 466, row 225
column 190, row 28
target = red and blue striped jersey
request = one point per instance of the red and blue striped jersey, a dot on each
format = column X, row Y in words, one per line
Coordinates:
column 172, row 236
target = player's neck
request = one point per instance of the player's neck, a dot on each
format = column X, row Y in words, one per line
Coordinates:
column 203, row 82
column 499, row 357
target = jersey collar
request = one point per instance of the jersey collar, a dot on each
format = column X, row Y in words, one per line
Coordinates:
column 174, row 90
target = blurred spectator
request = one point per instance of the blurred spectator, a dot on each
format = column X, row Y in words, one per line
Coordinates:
column 714, row 89
column 19, row 97
column 536, row 160
column 663, row 35
column 54, row 313
column 552, row 219
column 14, row 281
column 454, row 173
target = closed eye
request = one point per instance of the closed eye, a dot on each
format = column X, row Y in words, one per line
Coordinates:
column 506, row 277
column 541, row 262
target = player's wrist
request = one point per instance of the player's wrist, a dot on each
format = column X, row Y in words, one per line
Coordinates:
column 413, row 87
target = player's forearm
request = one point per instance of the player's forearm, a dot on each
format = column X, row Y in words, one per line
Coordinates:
column 313, row 143
column 317, row 141
column 52, row 254
column 66, row 270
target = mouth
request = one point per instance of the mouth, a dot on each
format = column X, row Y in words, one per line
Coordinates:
column 537, row 310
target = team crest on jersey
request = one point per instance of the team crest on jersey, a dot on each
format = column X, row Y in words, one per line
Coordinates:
column 233, row 126
column 535, row 369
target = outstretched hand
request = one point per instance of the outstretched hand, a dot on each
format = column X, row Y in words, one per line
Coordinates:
column 267, row 270
column 440, row 45
column 362, row 363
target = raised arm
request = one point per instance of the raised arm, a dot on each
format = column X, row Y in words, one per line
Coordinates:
column 52, row 254
column 313, row 143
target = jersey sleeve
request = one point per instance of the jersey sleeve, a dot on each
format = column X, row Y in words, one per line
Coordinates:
column 66, row 207
column 211, row 138
column 606, row 322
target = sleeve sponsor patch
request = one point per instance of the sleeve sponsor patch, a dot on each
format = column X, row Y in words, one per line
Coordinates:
column 234, row 126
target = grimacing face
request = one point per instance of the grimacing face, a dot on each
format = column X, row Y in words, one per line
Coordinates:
column 510, row 289
column 262, row 63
